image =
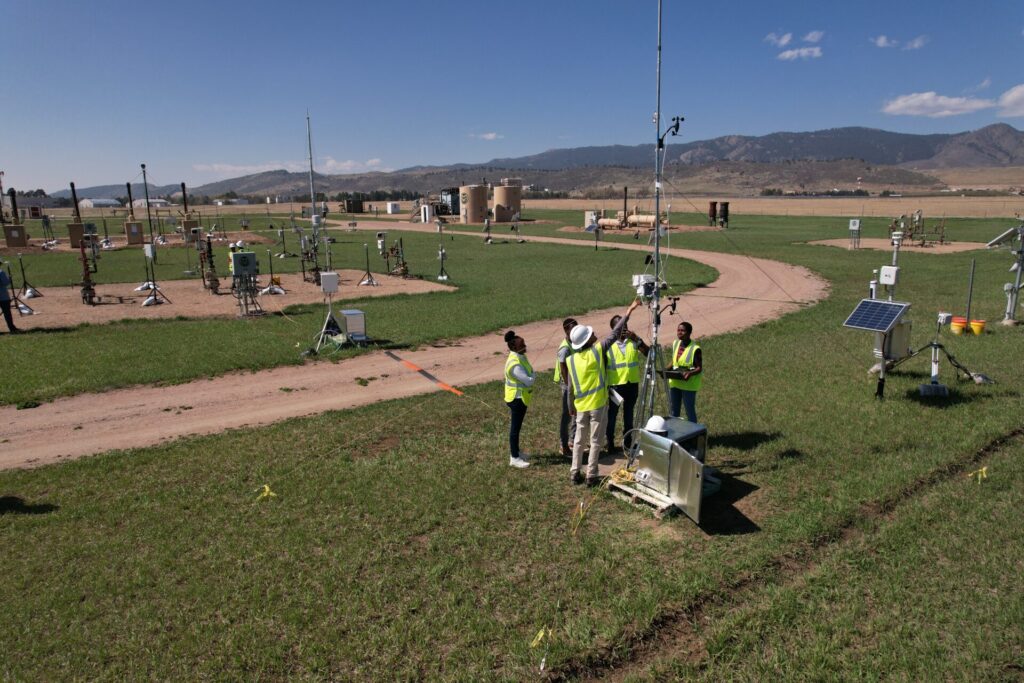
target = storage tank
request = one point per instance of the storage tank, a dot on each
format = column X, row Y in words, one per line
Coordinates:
column 474, row 203
column 508, row 201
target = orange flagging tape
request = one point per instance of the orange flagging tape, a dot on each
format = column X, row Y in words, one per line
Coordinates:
column 416, row 368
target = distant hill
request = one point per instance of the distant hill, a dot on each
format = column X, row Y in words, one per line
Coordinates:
column 995, row 145
column 112, row 191
column 815, row 161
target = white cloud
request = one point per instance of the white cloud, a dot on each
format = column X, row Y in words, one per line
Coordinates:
column 985, row 83
column 323, row 165
column 1011, row 102
column 916, row 43
column 933, row 105
column 800, row 53
column 814, row 37
column 487, row 136
column 884, row 41
column 777, row 40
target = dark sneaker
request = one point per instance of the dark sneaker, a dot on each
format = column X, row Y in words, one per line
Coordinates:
column 593, row 481
column 576, row 478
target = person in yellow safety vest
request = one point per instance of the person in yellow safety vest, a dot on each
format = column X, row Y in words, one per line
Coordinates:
column 625, row 360
column 232, row 248
column 567, row 425
column 519, row 378
column 686, row 358
column 589, row 389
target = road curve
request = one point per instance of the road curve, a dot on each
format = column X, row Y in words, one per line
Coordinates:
column 747, row 291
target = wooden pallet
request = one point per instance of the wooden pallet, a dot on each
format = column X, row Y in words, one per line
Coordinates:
column 623, row 491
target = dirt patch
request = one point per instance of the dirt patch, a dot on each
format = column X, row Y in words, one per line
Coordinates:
column 882, row 244
column 646, row 230
column 63, row 307
column 174, row 241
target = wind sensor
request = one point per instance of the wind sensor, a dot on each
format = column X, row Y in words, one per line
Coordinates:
column 1014, row 239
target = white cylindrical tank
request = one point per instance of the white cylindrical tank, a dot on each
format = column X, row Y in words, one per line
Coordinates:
column 474, row 203
column 508, row 201
column 426, row 213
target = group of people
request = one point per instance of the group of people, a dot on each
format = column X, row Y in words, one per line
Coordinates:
column 599, row 379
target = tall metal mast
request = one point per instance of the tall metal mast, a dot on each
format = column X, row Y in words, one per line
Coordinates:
column 312, row 194
column 656, row 300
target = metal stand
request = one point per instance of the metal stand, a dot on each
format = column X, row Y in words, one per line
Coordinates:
column 284, row 253
column 27, row 291
column 208, row 267
column 156, row 297
column 245, row 289
column 23, row 308
column 330, row 327
column 442, row 256
column 934, row 387
column 367, row 279
column 273, row 288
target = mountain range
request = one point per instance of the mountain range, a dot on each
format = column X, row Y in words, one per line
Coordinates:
column 864, row 157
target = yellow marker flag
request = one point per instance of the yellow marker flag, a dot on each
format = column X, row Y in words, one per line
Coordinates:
column 980, row 474
column 265, row 492
column 539, row 638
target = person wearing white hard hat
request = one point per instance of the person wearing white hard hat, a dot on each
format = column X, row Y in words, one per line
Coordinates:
column 588, row 383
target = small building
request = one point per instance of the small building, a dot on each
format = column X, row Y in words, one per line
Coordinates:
column 154, row 203
column 100, row 204
column 393, row 207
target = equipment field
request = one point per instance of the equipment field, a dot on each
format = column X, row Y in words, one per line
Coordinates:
column 413, row 551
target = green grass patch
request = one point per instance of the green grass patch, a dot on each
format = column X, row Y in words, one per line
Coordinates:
column 497, row 286
column 400, row 545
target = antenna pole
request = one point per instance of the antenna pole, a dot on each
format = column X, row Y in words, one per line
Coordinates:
column 656, row 299
column 312, row 194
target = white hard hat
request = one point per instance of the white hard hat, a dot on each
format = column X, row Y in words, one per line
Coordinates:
column 657, row 425
column 240, row 244
column 580, row 335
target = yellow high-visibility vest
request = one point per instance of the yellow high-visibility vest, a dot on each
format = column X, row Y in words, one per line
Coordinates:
column 590, row 388
column 558, row 366
column 514, row 388
column 623, row 367
column 684, row 361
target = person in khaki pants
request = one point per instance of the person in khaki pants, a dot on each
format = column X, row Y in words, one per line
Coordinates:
column 588, row 384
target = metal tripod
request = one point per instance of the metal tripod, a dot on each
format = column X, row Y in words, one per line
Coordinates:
column 649, row 400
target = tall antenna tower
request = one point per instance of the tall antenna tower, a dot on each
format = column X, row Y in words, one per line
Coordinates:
column 654, row 367
column 312, row 192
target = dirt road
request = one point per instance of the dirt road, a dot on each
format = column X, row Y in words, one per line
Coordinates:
column 747, row 291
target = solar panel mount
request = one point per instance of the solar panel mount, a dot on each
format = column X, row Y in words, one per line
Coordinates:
column 875, row 315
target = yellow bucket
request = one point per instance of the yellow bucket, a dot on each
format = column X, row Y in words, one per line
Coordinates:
column 957, row 325
column 977, row 326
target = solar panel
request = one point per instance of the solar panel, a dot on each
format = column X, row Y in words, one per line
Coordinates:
column 875, row 315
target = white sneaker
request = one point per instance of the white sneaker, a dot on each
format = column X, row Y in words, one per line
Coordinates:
column 518, row 462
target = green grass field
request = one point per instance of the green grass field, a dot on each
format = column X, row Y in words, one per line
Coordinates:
column 847, row 542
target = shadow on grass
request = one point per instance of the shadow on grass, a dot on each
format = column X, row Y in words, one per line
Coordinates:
column 719, row 515
column 16, row 506
column 743, row 441
column 955, row 398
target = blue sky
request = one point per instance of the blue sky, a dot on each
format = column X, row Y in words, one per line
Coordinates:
column 201, row 91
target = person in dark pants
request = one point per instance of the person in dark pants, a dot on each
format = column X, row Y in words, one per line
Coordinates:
column 519, row 378
column 5, row 301
column 567, row 424
column 687, row 359
column 623, row 359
